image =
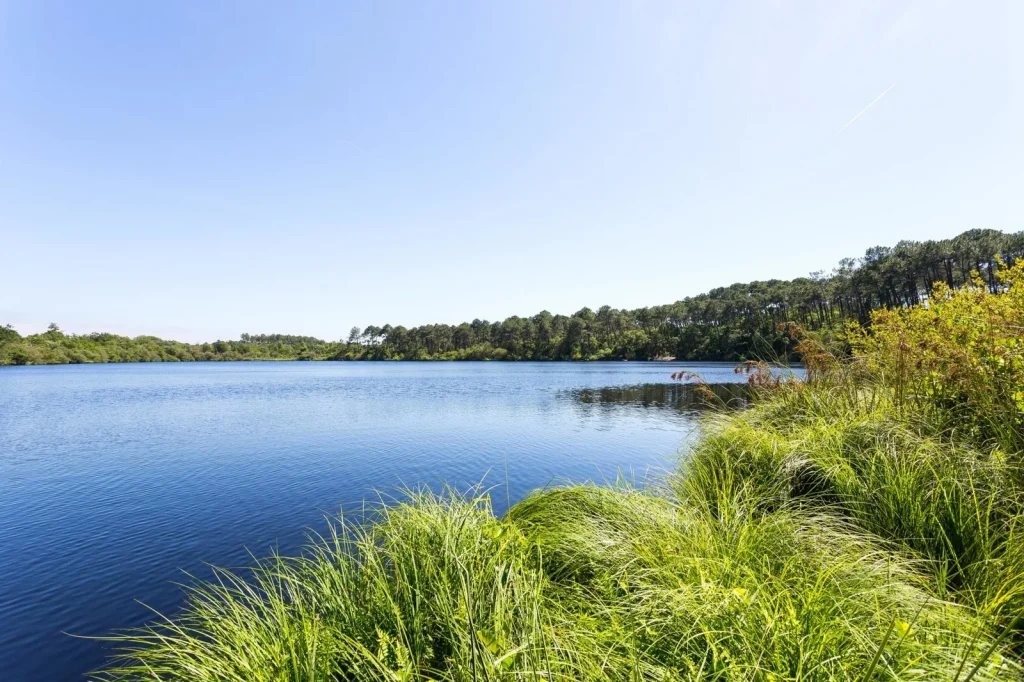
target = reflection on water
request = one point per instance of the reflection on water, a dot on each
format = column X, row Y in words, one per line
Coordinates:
column 683, row 400
column 115, row 478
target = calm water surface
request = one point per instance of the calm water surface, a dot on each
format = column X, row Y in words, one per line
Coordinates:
column 116, row 478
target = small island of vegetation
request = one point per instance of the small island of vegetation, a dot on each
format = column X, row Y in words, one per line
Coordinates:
column 732, row 323
column 864, row 524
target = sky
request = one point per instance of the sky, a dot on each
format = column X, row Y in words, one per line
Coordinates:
column 196, row 170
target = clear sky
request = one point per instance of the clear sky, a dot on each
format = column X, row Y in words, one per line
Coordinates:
column 200, row 169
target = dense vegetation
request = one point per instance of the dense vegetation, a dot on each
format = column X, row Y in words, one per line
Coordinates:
column 54, row 347
column 865, row 524
column 730, row 323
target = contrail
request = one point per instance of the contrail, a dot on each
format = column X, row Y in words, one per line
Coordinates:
column 861, row 112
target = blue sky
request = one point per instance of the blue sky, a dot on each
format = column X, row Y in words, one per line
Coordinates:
column 196, row 170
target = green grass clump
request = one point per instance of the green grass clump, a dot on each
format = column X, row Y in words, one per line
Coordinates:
column 952, row 504
column 672, row 593
column 434, row 588
column 582, row 583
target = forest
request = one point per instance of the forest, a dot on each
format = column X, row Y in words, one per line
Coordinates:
column 734, row 323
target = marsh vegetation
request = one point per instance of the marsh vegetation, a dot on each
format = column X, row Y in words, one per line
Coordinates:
column 863, row 524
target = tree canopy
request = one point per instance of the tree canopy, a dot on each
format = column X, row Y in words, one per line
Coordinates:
column 738, row 322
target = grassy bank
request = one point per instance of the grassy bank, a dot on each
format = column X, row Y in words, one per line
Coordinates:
column 863, row 525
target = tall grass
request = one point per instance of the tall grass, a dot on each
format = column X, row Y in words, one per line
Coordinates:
column 955, row 507
column 674, row 594
column 581, row 583
column 434, row 588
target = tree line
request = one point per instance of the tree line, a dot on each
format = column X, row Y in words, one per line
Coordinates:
column 738, row 322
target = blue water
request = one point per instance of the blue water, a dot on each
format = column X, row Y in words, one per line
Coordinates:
column 116, row 478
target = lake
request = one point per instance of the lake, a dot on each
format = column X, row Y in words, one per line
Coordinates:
column 116, row 478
